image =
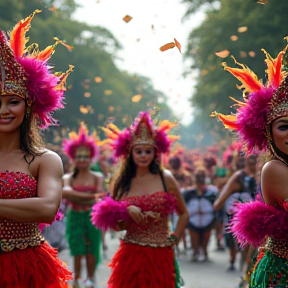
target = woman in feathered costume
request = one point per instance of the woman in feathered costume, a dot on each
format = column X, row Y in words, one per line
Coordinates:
column 30, row 181
column 143, row 197
column 80, row 189
column 262, row 124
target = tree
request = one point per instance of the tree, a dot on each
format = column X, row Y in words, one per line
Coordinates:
column 267, row 26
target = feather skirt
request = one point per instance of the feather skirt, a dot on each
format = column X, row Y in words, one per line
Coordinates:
column 135, row 266
column 34, row 267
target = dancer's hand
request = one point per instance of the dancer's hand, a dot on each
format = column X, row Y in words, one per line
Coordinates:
column 136, row 214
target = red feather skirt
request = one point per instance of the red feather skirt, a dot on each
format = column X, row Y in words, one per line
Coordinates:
column 135, row 266
column 34, row 267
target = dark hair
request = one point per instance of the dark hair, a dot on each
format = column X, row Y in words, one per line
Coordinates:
column 30, row 139
column 128, row 171
column 175, row 163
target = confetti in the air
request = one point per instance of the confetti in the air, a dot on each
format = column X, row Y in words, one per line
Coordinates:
column 53, row 8
column 242, row 29
column 98, row 79
column 108, row 92
column 136, row 98
column 263, row 2
column 234, row 37
column 222, row 54
column 127, row 18
column 252, row 54
column 171, row 45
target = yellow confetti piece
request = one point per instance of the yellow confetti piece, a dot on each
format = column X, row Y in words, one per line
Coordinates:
column 136, row 98
column 233, row 37
column 242, row 29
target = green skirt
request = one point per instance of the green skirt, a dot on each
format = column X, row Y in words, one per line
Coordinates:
column 269, row 271
column 83, row 238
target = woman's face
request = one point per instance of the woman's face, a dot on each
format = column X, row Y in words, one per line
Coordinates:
column 82, row 158
column 143, row 155
column 280, row 134
column 12, row 113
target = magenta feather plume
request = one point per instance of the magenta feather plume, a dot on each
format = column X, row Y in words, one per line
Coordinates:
column 162, row 141
column 254, row 221
column 107, row 212
column 41, row 85
column 251, row 120
column 122, row 144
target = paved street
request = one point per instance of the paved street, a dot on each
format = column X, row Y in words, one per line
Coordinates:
column 210, row 274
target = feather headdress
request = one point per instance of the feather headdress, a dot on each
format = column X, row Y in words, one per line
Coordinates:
column 26, row 73
column 143, row 131
column 82, row 139
column 262, row 103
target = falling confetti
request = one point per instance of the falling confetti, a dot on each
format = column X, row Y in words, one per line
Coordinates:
column 242, row 29
column 127, row 18
column 167, row 46
column 178, row 45
column 98, row 79
column 84, row 110
column 222, row 54
column 252, row 54
column 111, row 109
column 263, row 2
column 136, row 98
column 87, row 94
column 204, row 72
column 171, row 45
column 234, row 37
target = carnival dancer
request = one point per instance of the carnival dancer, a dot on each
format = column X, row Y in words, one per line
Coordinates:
column 143, row 197
column 261, row 121
column 30, row 177
column 80, row 189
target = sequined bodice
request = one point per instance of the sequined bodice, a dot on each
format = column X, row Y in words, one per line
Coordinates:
column 155, row 229
column 14, row 234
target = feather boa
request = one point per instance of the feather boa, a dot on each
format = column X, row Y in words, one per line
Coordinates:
column 107, row 212
column 254, row 221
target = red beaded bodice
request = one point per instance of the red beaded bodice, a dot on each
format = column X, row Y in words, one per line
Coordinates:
column 155, row 229
column 14, row 234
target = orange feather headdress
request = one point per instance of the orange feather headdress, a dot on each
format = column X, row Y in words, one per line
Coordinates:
column 262, row 103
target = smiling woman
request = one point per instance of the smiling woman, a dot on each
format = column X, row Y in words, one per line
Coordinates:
column 262, row 124
column 30, row 175
column 144, row 195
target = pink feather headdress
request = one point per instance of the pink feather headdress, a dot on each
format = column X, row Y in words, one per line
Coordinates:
column 262, row 103
column 25, row 73
column 143, row 131
column 82, row 139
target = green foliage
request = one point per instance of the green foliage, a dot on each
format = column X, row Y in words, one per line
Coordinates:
column 267, row 26
column 95, row 49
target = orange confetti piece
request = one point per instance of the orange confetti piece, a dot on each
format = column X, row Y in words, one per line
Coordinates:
column 87, row 94
column 243, row 54
column 167, row 46
column 127, row 18
column 111, row 109
column 178, row 45
column 222, row 54
column 98, row 79
column 262, row 2
column 233, row 37
column 83, row 110
column 100, row 117
column 136, row 98
column 252, row 54
column 204, row 72
column 242, row 29
column 53, row 8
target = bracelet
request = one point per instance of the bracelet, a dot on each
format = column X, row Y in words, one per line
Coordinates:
column 173, row 238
